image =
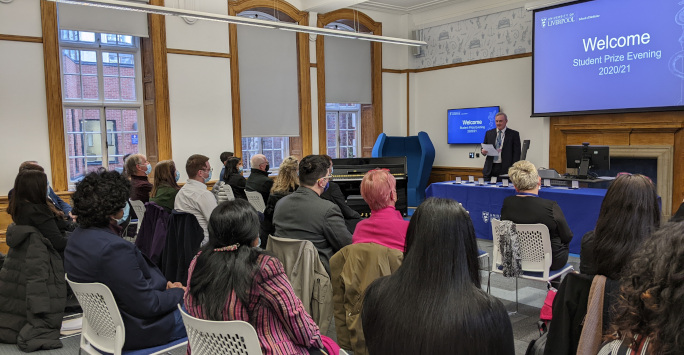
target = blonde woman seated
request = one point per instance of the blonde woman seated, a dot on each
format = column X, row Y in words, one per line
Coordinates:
column 526, row 207
column 385, row 226
column 232, row 279
column 285, row 183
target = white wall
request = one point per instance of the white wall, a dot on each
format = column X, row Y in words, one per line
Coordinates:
column 201, row 114
column 504, row 83
column 23, row 109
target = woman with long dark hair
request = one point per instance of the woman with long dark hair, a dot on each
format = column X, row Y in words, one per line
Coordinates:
column 29, row 206
column 32, row 284
column 648, row 315
column 165, row 186
column 629, row 214
column 234, row 178
column 232, row 279
column 434, row 304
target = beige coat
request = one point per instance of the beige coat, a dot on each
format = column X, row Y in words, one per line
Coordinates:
column 352, row 269
column 307, row 275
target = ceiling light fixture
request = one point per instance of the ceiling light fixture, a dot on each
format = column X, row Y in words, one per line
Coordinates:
column 169, row 11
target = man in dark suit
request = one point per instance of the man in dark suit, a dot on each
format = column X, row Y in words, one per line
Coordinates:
column 507, row 142
column 258, row 179
column 304, row 215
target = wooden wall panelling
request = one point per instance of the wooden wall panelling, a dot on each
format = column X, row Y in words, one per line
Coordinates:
column 235, row 86
column 149, row 104
column 627, row 129
column 15, row 38
column 304, row 84
column 448, row 173
column 368, row 136
column 5, row 220
column 53, row 94
column 320, row 89
column 159, row 124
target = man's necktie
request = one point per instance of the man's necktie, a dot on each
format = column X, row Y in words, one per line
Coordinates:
column 499, row 136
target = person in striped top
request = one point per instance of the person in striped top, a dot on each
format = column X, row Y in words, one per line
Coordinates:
column 232, row 279
column 649, row 310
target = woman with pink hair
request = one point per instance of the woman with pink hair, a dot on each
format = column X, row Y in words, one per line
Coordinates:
column 385, row 225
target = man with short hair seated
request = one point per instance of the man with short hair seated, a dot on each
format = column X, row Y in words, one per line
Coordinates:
column 194, row 197
column 304, row 215
column 258, row 179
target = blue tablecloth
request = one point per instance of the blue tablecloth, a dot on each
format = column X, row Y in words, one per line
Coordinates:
column 580, row 207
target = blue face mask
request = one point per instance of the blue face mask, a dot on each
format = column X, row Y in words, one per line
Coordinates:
column 240, row 170
column 206, row 180
column 127, row 211
column 149, row 169
column 327, row 185
column 259, row 243
column 177, row 175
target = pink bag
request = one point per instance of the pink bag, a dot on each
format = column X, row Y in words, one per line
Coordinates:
column 547, row 309
column 330, row 346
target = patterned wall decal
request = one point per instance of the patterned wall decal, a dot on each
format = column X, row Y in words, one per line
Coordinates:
column 489, row 36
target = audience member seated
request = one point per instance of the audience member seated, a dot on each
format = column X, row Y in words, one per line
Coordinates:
column 333, row 193
column 258, row 179
column 526, row 207
column 224, row 156
column 385, row 226
column 232, row 279
column 285, row 183
column 53, row 198
column 433, row 303
column 194, row 197
column 233, row 177
column 29, row 206
column 648, row 317
column 629, row 214
column 165, row 186
column 137, row 169
column 304, row 215
column 95, row 253
column 32, row 284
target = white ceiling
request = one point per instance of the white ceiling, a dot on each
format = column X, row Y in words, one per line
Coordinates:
column 391, row 6
column 406, row 6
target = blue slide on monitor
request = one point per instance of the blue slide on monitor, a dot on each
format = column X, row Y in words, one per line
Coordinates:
column 468, row 125
column 608, row 56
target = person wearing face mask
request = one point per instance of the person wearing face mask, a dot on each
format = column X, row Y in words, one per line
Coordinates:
column 233, row 177
column 165, row 185
column 148, row 303
column 137, row 168
column 304, row 215
column 258, row 179
column 194, row 197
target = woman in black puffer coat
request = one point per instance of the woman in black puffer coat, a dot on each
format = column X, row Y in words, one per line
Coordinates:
column 32, row 284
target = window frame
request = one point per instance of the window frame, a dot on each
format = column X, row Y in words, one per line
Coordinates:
column 246, row 156
column 339, row 110
column 101, row 103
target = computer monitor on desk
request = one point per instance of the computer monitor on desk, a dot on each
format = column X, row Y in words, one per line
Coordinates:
column 585, row 157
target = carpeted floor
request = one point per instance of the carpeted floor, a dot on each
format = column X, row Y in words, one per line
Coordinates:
column 531, row 296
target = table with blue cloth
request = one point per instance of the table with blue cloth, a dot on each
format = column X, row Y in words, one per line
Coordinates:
column 580, row 206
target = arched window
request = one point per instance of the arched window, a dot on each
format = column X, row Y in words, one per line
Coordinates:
column 349, row 107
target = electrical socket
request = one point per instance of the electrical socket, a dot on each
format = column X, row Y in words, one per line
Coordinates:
column 471, row 155
column 477, row 155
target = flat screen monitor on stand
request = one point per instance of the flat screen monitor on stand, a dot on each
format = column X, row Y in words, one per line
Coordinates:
column 586, row 157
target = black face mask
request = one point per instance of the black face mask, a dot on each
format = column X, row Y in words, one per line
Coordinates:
column 267, row 167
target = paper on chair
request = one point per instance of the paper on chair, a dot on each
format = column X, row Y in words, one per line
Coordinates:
column 491, row 151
